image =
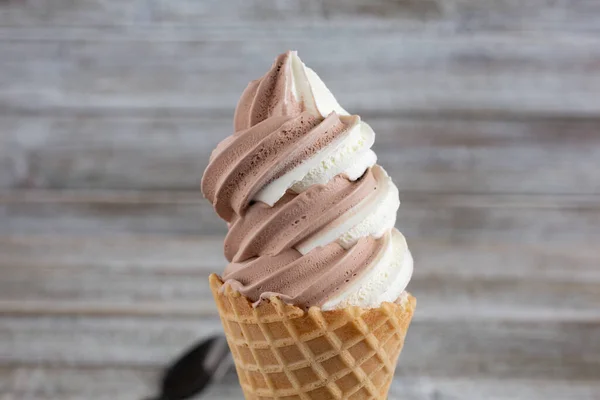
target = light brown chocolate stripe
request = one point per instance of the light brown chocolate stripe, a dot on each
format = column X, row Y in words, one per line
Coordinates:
column 267, row 97
column 246, row 163
column 268, row 230
column 307, row 280
column 233, row 148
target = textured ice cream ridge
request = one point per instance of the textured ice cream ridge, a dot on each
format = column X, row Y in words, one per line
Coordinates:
column 385, row 282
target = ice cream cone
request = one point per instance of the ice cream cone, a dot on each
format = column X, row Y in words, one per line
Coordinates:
column 283, row 352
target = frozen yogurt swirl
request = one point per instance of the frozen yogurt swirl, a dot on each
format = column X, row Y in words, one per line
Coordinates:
column 310, row 214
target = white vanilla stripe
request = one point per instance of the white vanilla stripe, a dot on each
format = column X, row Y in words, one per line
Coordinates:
column 385, row 280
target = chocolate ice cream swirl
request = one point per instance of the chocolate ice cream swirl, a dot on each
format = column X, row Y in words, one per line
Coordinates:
column 303, row 247
column 244, row 163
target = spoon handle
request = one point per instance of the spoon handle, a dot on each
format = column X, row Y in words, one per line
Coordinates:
column 195, row 369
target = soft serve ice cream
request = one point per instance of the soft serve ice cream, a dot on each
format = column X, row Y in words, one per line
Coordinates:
column 310, row 214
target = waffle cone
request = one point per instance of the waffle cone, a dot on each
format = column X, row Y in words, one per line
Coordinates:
column 283, row 352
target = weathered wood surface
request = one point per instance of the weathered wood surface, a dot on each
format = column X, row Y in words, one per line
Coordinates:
column 469, row 346
column 92, row 69
column 498, row 348
column 512, row 296
column 429, row 56
column 167, row 275
column 451, row 155
column 42, row 383
column 471, row 15
column 488, row 118
column 547, row 221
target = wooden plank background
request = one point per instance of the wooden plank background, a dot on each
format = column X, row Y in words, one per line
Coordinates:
column 487, row 116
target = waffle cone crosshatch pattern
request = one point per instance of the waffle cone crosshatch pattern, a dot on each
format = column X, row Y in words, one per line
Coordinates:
column 284, row 352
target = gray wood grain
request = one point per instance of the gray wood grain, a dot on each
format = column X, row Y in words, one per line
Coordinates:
column 471, row 15
column 445, row 15
column 64, row 383
column 467, row 348
column 455, row 155
column 166, row 276
column 95, row 68
column 486, row 219
column 487, row 114
column 185, row 255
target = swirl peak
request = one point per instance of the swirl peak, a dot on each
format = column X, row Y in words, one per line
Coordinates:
column 288, row 88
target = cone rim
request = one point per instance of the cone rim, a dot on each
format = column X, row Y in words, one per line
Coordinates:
column 408, row 303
